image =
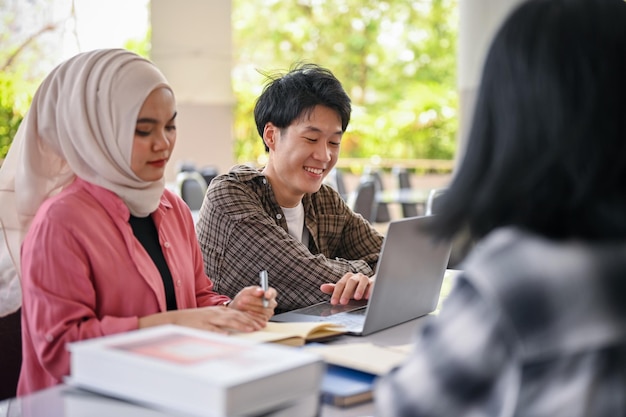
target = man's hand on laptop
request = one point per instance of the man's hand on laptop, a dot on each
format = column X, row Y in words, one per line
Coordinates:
column 351, row 286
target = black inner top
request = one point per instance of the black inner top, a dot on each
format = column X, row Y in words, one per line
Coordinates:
column 145, row 231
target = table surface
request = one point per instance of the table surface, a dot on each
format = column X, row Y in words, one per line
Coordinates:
column 398, row 335
column 52, row 402
column 58, row 401
column 403, row 196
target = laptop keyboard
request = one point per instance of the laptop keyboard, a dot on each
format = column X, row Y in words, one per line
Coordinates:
column 326, row 309
column 353, row 320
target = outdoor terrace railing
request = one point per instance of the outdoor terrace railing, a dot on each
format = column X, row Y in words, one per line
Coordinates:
column 418, row 165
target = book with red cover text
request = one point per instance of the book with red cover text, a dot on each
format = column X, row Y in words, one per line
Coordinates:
column 195, row 372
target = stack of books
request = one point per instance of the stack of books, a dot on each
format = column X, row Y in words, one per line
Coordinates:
column 194, row 372
column 353, row 369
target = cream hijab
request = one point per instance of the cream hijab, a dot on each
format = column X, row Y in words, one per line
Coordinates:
column 81, row 123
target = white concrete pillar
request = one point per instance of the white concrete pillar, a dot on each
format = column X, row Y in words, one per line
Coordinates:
column 479, row 20
column 192, row 45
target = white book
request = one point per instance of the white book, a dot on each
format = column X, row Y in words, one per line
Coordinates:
column 195, row 372
column 81, row 403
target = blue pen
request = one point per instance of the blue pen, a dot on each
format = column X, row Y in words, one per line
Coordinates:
column 264, row 286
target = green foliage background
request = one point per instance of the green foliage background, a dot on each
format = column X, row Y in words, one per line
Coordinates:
column 396, row 59
column 10, row 114
column 19, row 75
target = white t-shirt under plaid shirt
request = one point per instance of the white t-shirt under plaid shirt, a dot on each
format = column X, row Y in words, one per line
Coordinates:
column 242, row 229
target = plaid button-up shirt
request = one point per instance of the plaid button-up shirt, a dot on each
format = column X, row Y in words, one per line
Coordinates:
column 242, row 230
column 532, row 328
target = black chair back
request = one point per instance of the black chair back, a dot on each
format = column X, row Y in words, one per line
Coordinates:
column 462, row 243
column 208, row 173
column 404, row 183
column 192, row 188
column 365, row 199
column 382, row 210
column 10, row 354
column 340, row 184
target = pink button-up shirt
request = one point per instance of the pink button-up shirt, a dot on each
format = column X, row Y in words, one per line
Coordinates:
column 84, row 275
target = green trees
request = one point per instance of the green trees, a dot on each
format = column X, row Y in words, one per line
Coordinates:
column 10, row 116
column 396, row 59
column 23, row 48
column 29, row 48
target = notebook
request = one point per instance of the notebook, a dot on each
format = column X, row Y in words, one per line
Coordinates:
column 409, row 275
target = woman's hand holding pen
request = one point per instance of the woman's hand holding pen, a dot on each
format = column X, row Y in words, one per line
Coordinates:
column 214, row 318
column 351, row 286
column 251, row 300
column 250, row 310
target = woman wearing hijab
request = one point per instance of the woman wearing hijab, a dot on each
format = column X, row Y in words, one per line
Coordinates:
column 106, row 247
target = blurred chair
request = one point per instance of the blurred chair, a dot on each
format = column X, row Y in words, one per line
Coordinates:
column 208, row 173
column 10, row 354
column 365, row 199
column 382, row 210
column 461, row 243
column 185, row 166
column 335, row 180
column 404, row 183
column 431, row 202
column 192, row 188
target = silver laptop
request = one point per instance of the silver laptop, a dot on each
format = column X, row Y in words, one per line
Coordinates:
column 409, row 275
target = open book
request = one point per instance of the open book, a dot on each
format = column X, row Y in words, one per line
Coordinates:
column 293, row 333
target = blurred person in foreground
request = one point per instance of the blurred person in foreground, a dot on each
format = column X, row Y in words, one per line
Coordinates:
column 283, row 218
column 535, row 324
column 107, row 248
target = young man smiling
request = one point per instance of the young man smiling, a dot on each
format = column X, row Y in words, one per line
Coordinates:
column 283, row 219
